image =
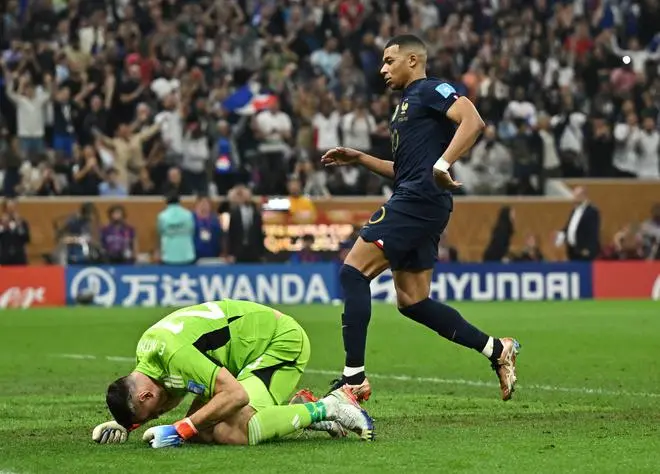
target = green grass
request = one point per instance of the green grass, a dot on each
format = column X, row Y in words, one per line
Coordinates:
column 588, row 400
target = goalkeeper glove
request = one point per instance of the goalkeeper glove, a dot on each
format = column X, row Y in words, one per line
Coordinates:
column 110, row 432
column 165, row 436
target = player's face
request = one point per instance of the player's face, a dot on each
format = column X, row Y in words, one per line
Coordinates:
column 395, row 68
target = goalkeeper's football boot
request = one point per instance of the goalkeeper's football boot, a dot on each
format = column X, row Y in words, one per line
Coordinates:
column 505, row 367
column 342, row 406
column 333, row 428
column 361, row 391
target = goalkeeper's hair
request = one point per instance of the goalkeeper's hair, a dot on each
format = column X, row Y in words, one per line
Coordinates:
column 120, row 402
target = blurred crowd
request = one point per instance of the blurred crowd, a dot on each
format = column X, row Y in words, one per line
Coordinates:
column 149, row 97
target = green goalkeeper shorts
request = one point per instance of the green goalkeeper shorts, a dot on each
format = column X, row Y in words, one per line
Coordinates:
column 272, row 377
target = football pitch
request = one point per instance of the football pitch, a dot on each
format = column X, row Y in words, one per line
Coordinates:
column 588, row 398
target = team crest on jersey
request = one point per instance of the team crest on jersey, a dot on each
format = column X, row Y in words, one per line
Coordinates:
column 197, row 388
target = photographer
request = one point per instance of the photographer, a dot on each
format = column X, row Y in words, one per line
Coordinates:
column 14, row 235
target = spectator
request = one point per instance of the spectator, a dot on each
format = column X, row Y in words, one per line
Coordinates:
column 490, row 170
column 301, row 209
column 357, row 127
column 530, row 252
column 111, row 186
column 196, row 155
column 13, row 160
column 626, row 138
column 627, row 245
column 126, row 149
column 600, row 146
column 118, row 239
column 14, row 235
column 144, row 185
column 314, row 178
column 500, row 240
column 550, row 157
column 245, row 235
column 65, row 113
column 306, row 253
column 327, row 59
column 208, row 233
column 648, row 150
column 582, row 232
column 526, row 150
column 176, row 233
column 326, row 127
column 106, row 69
column 30, row 101
column 174, row 183
column 78, row 237
column 49, row 185
column 446, row 252
column 273, row 129
column 650, row 233
column 87, row 173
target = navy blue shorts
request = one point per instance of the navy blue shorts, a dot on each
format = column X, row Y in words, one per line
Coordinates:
column 409, row 242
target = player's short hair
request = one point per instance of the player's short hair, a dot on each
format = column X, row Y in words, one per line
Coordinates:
column 407, row 41
column 120, row 402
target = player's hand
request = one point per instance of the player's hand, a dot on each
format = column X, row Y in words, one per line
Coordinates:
column 166, row 436
column 163, row 436
column 110, row 432
column 444, row 180
column 340, row 156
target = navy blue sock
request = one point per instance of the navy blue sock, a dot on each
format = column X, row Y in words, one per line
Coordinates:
column 449, row 323
column 357, row 313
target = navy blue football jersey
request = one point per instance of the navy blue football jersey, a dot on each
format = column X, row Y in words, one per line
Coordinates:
column 420, row 133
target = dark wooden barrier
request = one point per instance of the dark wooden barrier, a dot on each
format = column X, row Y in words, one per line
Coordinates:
column 620, row 202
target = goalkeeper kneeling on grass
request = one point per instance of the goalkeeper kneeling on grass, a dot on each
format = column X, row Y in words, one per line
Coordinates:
column 243, row 360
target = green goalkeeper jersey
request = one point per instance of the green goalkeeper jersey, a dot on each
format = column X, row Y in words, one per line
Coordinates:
column 185, row 350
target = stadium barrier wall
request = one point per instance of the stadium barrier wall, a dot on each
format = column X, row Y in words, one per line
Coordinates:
column 35, row 286
column 620, row 201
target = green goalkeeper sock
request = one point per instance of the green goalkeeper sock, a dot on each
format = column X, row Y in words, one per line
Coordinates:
column 275, row 422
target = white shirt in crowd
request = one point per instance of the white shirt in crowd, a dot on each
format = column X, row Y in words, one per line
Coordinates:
column 327, row 130
column 357, row 131
column 500, row 89
column 648, row 165
column 273, row 124
column 196, row 153
column 625, row 154
column 550, row 156
column 572, row 138
column 30, row 113
column 350, row 175
column 171, row 130
column 521, row 110
column 574, row 222
column 638, row 58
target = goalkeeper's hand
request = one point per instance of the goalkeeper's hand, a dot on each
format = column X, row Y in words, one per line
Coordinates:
column 166, row 436
column 110, row 432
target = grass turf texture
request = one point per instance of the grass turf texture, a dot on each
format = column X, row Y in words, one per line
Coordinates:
column 588, row 400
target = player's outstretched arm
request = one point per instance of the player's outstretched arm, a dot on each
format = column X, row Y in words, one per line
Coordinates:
column 470, row 126
column 229, row 398
column 341, row 156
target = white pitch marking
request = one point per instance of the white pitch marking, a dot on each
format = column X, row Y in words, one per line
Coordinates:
column 435, row 380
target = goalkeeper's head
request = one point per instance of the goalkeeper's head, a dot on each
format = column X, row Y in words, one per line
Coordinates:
column 135, row 399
